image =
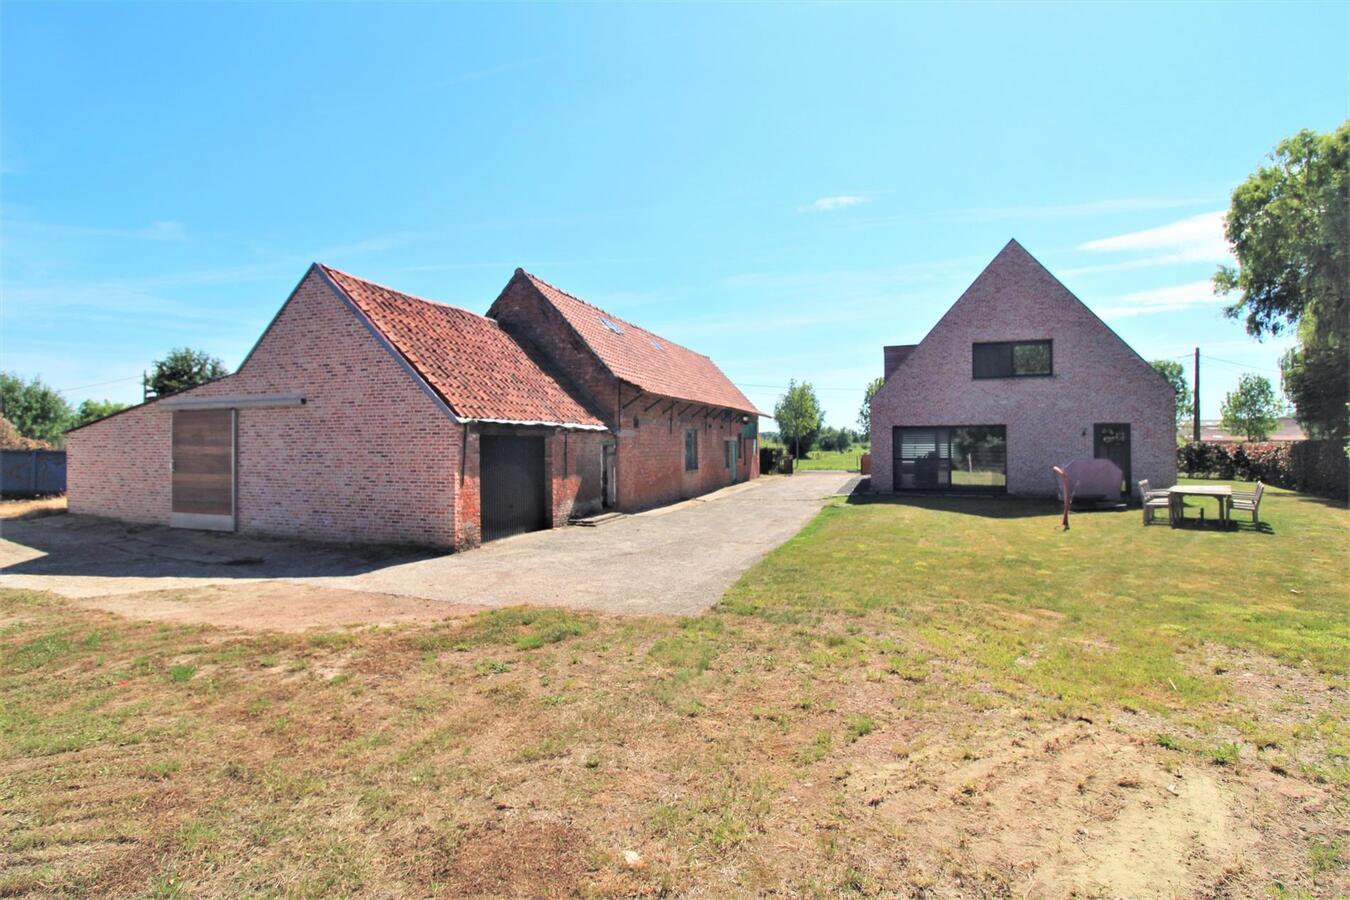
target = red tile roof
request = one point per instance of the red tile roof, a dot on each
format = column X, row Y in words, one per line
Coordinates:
column 467, row 359
column 643, row 359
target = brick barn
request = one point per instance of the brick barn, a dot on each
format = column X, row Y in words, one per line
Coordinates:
column 364, row 414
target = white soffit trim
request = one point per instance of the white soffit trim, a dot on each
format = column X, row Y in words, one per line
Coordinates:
column 237, row 401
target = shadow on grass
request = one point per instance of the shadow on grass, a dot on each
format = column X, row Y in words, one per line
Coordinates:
column 1242, row 526
column 983, row 505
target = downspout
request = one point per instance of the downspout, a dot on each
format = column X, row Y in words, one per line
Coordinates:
column 463, row 453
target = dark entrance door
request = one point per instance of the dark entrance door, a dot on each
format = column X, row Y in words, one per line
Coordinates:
column 511, row 476
column 1112, row 441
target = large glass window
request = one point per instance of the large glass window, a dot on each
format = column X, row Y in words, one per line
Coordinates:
column 1012, row 359
column 952, row 458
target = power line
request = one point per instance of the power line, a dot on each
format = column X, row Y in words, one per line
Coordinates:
column 784, row 387
column 98, row 384
column 1229, row 362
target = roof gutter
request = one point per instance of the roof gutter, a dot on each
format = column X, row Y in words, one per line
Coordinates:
column 569, row 426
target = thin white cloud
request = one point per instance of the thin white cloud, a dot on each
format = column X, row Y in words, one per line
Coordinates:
column 1197, row 236
column 1074, row 210
column 831, row 204
column 1195, row 239
column 1167, row 299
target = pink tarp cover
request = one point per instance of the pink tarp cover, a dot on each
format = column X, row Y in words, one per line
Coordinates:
column 1090, row 478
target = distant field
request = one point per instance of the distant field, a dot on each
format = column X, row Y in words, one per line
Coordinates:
column 847, row 460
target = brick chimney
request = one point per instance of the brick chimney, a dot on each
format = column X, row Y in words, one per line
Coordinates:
column 895, row 355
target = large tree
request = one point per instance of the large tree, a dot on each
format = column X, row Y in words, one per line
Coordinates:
column 798, row 417
column 181, row 369
column 1176, row 377
column 1289, row 226
column 36, row 410
column 93, row 410
column 1251, row 409
column 865, row 412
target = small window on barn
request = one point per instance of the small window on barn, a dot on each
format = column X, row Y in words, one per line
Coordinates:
column 1012, row 359
column 611, row 325
column 726, row 454
column 690, row 449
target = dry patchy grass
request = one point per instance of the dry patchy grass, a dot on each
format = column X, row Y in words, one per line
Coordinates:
column 928, row 698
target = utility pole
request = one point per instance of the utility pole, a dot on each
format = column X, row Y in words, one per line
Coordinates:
column 1197, row 395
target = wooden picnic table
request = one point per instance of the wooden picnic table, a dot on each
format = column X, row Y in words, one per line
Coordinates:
column 1221, row 492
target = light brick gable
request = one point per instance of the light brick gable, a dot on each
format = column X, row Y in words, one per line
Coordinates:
column 1097, row 378
column 369, row 457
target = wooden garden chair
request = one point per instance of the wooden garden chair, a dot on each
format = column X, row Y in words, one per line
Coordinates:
column 1153, row 501
column 1249, row 501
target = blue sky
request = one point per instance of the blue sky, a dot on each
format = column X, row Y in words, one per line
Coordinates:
column 785, row 188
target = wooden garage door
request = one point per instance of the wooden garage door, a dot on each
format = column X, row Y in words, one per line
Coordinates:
column 511, row 484
column 203, row 469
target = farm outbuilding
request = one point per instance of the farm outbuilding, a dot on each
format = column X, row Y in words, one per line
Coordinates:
column 364, row 414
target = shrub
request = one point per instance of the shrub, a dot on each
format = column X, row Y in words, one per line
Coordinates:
column 774, row 460
column 1322, row 468
column 1314, row 467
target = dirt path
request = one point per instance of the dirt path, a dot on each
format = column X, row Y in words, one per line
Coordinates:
column 678, row 559
column 276, row 606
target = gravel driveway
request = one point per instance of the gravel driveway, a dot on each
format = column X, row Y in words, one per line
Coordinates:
column 678, row 559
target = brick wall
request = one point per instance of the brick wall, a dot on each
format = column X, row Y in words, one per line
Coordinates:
column 368, row 458
column 468, row 497
column 573, row 461
column 1097, row 379
column 650, row 454
column 120, row 467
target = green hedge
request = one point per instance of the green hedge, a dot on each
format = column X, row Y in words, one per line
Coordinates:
column 1314, row 467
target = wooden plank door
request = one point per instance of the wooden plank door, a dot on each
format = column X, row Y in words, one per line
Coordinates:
column 203, row 469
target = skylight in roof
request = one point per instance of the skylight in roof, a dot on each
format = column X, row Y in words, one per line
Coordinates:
column 656, row 343
column 612, row 326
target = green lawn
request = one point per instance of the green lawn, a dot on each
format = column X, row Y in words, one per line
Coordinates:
column 943, row 697
column 1106, row 613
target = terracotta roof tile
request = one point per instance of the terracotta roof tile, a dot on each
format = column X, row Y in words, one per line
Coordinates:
column 480, row 371
column 641, row 358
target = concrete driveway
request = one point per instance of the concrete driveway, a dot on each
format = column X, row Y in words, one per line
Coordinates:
column 678, row 559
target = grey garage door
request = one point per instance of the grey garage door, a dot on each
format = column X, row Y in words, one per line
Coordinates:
column 511, row 473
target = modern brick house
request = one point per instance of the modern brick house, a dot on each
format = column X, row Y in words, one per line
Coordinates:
column 1016, row 377
column 367, row 415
